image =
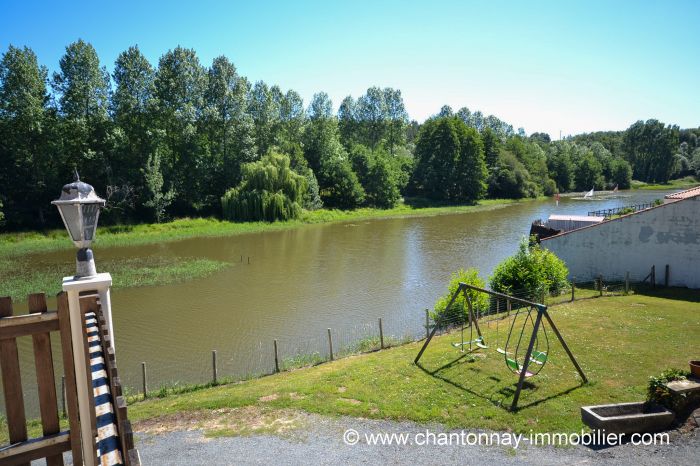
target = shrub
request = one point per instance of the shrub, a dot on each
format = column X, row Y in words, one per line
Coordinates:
column 270, row 191
column 658, row 393
column 459, row 310
column 529, row 272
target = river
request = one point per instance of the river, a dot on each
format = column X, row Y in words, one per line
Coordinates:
column 301, row 282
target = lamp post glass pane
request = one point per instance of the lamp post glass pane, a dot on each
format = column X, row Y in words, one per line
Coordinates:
column 90, row 214
column 71, row 217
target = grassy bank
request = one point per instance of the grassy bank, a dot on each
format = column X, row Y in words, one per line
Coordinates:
column 15, row 244
column 681, row 183
column 615, row 339
column 20, row 276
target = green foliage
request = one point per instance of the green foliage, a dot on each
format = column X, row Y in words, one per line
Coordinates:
column 658, row 393
column 380, row 174
column 650, row 147
column 459, row 311
column 509, row 179
column 588, row 173
column 206, row 122
column 529, row 272
column 270, row 191
column 340, row 187
column 159, row 200
column 451, row 164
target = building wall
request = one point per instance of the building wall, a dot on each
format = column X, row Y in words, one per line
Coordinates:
column 668, row 234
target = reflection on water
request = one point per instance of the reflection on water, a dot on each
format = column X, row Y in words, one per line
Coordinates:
column 301, row 282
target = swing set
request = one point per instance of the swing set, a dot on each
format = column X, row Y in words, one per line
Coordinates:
column 536, row 353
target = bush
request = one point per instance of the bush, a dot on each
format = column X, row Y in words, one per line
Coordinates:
column 459, row 310
column 529, row 272
column 658, row 393
column 270, row 191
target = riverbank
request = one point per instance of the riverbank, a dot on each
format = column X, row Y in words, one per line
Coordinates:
column 17, row 279
column 680, row 184
column 14, row 244
column 611, row 337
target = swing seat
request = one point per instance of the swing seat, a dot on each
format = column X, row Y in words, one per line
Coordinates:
column 481, row 344
column 538, row 357
column 515, row 367
column 502, row 351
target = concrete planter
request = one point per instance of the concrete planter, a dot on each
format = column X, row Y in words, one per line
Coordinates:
column 627, row 417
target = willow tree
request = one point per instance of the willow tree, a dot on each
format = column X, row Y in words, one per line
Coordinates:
column 270, row 190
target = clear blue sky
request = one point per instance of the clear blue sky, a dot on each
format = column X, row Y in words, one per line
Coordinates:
column 545, row 66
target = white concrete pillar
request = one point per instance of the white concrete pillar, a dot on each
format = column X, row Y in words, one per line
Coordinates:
column 72, row 286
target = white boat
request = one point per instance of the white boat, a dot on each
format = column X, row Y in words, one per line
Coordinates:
column 588, row 194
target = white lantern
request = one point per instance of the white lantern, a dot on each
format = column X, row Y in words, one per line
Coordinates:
column 79, row 207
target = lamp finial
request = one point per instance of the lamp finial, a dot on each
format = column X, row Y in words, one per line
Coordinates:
column 75, row 174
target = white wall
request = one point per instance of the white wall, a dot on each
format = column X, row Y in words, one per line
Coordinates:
column 668, row 234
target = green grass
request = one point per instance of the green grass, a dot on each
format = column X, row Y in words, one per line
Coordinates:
column 619, row 341
column 17, row 280
column 680, row 183
column 18, row 244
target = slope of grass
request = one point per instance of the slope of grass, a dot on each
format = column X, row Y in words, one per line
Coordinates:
column 680, row 183
column 18, row 244
column 619, row 341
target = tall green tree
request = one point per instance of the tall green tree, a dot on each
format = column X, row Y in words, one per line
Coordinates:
column 451, row 162
column 265, row 111
column 132, row 107
column 397, row 119
column 27, row 168
column 180, row 84
column 230, row 129
column 371, row 113
column 650, row 147
column 83, row 91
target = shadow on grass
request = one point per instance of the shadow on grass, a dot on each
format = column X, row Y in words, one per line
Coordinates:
column 677, row 293
column 506, row 393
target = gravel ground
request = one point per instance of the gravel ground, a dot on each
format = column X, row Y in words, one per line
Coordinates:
column 319, row 440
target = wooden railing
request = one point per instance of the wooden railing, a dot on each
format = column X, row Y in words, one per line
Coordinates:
column 40, row 323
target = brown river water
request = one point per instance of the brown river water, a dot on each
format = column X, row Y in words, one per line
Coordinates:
column 298, row 284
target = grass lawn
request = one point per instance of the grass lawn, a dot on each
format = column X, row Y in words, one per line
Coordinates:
column 619, row 341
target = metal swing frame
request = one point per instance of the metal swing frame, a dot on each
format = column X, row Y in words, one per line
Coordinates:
column 541, row 314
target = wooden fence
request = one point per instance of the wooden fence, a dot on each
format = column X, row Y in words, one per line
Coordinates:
column 40, row 324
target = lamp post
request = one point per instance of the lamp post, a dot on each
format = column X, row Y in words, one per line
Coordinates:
column 79, row 207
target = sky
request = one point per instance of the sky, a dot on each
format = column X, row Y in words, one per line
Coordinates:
column 547, row 66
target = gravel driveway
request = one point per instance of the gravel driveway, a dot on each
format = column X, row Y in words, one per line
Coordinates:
column 319, row 440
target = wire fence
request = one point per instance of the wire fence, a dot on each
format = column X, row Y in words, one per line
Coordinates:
column 243, row 360
column 291, row 352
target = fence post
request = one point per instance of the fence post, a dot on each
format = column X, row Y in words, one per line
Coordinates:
column 427, row 324
column 573, row 288
column 143, row 375
column 508, row 306
column 277, row 360
column 627, row 282
column 381, row 334
column 600, row 285
column 63, row 395
column 214, row 369
column 666, row 276
column 653, row 276
column 330, row 344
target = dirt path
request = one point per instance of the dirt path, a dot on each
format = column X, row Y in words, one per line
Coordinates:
column 281, row 437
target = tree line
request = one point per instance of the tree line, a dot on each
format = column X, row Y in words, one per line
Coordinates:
column 186, row 139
